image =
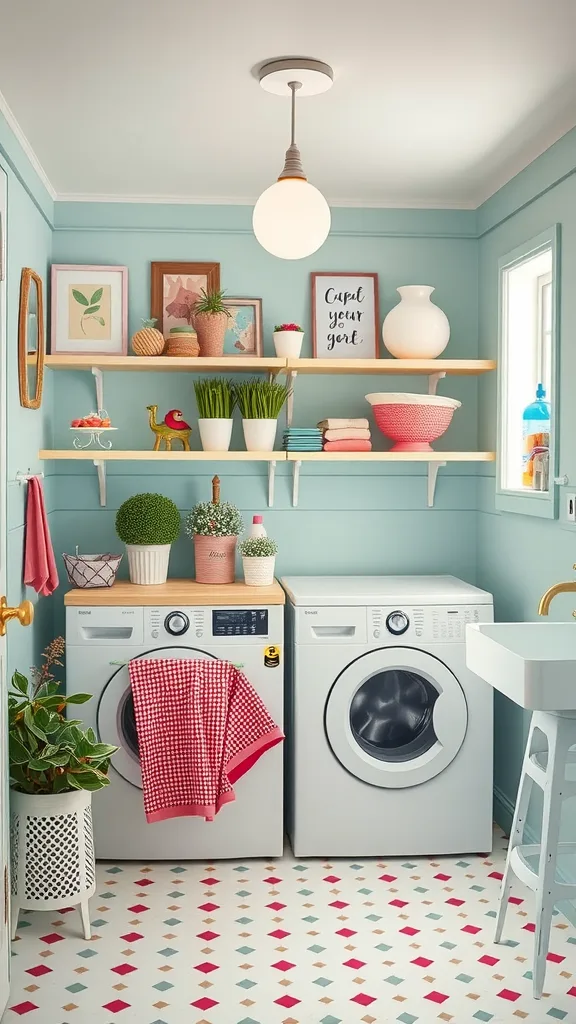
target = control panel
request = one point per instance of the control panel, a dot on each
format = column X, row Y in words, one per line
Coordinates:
column 204, row 624
column 440, row 624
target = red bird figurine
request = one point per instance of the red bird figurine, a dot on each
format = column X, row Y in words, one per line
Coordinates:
column 173, row 419
column 174, row 428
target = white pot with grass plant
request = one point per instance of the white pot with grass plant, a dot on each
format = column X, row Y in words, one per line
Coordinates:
column 148, row 524
column 288, row 340
column 215, row 399
column 258, row 561
column 260, row 403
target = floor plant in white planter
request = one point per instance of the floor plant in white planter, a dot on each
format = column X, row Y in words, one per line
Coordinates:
column 258, row 561
column 55, row 766
column 148, row 524
column 260, row 403
column 215, row 398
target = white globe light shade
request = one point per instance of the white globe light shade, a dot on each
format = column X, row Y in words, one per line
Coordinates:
column 291, row 219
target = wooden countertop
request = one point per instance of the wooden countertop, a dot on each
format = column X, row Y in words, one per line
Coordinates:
column 183, row 593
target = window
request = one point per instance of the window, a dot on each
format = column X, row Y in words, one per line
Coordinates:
column 527, row 367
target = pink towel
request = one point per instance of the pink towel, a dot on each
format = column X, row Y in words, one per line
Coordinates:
column 347, row 434
column 348, row 446
column 201, row 726
column 39, row 563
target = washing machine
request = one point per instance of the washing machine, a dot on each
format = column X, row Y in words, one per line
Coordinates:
column 390, row 734
column 101, row 641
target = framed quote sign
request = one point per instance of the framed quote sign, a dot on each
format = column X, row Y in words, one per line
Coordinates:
column 345, row 319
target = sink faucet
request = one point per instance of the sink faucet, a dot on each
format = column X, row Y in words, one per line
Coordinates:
column 552, row 592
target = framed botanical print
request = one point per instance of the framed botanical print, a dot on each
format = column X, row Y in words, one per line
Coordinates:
column 175, row 289
column 89, row 310
column 244, row 331
column 345, row 318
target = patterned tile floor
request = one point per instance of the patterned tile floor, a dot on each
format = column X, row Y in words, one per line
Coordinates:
column 315, row 942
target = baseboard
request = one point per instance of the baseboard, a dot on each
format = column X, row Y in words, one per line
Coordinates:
column 503, row 815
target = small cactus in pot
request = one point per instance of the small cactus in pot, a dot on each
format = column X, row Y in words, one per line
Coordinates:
column 148, row 341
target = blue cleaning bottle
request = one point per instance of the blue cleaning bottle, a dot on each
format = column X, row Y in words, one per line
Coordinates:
column 535, row 433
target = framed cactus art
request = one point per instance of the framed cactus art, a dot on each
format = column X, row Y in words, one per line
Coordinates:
column 89, row 310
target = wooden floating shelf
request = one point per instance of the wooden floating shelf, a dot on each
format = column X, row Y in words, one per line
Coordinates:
column 464, row 367
column 434, row 456
column 117, row 455
column 167, row 364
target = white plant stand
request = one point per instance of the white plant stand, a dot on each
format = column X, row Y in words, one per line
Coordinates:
column 52, row 853
column 547, row 762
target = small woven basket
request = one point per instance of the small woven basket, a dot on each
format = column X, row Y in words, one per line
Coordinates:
column 87, row 571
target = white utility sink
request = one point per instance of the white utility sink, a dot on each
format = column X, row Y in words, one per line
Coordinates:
column 533, row 663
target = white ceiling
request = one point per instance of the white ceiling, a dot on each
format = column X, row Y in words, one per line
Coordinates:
column 435, row 102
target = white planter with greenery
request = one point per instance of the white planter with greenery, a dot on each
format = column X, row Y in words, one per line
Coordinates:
column 148, row 524
column 54, row 768
column 258, row 561
column 260, row 402
column 215, row 399
column 288, row 340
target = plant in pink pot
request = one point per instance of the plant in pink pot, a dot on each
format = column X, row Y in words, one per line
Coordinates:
column 211, row 316
column 214, row 527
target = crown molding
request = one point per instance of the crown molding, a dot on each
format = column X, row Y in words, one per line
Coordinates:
column 27, row 148
column 380, row 204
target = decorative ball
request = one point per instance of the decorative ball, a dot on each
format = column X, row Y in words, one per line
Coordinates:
column 148, row 341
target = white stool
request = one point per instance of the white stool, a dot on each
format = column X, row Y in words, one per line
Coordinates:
column 545, row 761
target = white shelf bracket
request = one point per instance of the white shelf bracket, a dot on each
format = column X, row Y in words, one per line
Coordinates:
column 101, row 468
column 433, row 468
column 271, row 482
column 99, row 381
column 296, row 466
column 290, row 378
column 433, row 381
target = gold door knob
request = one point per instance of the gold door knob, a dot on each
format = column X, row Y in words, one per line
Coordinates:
column 24, row 613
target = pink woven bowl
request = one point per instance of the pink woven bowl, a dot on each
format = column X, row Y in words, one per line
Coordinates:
column 412, row 421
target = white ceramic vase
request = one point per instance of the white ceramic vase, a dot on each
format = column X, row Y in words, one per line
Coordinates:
column 259, row 435
column 288, row 344
column 215, row 434
column 148, row 563
column 259, row 572
column 416, row 328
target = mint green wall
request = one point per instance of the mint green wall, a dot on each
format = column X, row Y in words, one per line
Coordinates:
column 29, row 244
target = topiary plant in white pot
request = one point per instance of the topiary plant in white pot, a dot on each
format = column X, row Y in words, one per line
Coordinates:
column 258, row 561
column 148, row 524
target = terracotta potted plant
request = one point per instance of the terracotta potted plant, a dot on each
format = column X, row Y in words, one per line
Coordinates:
column 211, row 317
column 215, row 398
column 214, row 527
column 258, row 561
column 55, row 766
column 288, row 340
column 260, row 402
column 148, row 524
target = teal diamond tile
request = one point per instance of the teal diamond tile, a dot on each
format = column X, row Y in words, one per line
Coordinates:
column 373, row 917
column 509, row 942
column 243, row 920
column 434, row 917
column 462, row 864
column 101, row 896
column 409, row 866
column 246, row 983
column 172, row 921
column 310, row 919
column 393, row 980
column 114, row 871
column 300, row 867
column 573, row 940
column 241, row 867
column 178, row 870
column 490, row 913
column 305, row 892
column 168, row 951
column 383, row 947
column 99, row 922
column 466, row 978
column 322, row 981
column 528, row 975
column 87, row 953
column 482, row 1015
column 557, row 1014
column 158, row 1022
column 316, row 949
column 245, row 950
column 407, row 1018
column 163, row 986
column 448, row 945
column 365, row 892
column 24, row 924
column 477, row 888
column 75, row 988
column 331, row 1020
column 175, row 895
column 356, row 867
column 421, row 889
column 243, row 892
column 248, row 1020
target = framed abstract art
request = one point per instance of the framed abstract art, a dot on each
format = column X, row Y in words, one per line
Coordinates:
column 244, row 331
column 175, row 288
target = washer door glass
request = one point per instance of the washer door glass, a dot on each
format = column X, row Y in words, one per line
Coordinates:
column 396, row 717
column 115, row 716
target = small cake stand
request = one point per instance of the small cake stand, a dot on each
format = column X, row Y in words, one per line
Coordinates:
column 92, row 436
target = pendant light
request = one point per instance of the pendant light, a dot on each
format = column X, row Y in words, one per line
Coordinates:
column 291, row 219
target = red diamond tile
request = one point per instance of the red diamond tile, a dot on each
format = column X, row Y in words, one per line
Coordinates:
column 275, row 906
column 209, row 907
column 205, row 1003
column 279, row 934
column 496, row 874
column 210, row 881
column 443, row 878
column 287, row 1001
column 354, row 964
column 338, row 904
column 571, row 991
column 398, row 903
column 53, row 937
column 529, row 927
column 421, row 961
column 332, row 878
column 515, row 899
column 116, row 1005
column 508, row 994
column 207, row 936
column 388, row 878
column 283, row 965
column 37, row 972
column 132, row 937
column 273, row 880
column 144, row 881
column 455, row 903
column 555, row 958
column 346, row 932
column 470, row 929
column 123, row 969
column 67, row 910
column 409, row 930
column 436, row 997
column 206, row 967
column 489, row 960
column 22, row 1008
column 363, row 999
column 138, row 908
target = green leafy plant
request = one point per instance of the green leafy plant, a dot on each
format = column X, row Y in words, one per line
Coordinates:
column 258, row 547
column 261, row 399
column 91, row 306
column 215, row 398
column 214, row 520
column 48, row 752
column 288, row 327
column 212, row 302
column 148, row 519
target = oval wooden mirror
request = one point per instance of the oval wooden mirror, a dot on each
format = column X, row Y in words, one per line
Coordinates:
column 31, row 339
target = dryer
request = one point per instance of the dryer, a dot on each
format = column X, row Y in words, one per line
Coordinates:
column 390, row 734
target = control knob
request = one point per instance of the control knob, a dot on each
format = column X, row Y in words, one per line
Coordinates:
column 176, row 623
column 397, row 623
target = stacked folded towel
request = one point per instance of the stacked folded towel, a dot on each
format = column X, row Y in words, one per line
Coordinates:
column 302, row 439
column 346, row 435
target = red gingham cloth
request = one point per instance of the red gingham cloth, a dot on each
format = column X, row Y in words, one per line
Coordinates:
column 201, row 726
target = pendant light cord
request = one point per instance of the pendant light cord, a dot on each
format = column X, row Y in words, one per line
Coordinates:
column 293, row 165
column 293, row 86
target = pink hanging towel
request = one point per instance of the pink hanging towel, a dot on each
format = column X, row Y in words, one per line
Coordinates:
column 201, row 726
column 39, row 563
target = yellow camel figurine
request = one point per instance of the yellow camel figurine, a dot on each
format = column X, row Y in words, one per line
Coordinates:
column 173, row 428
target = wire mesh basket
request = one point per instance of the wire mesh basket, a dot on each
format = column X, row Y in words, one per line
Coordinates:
column 87, row 571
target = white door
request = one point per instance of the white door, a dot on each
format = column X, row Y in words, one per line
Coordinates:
column 4, row 820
